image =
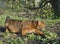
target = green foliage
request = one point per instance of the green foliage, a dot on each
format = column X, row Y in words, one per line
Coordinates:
column 1, row 42
column 15, row 41
column 45, row 12
column 23, row 40
column 6, row 35
column 50, row 35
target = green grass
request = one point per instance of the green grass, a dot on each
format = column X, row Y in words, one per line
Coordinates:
column 32, row 37
column 1, row 42
column 3, row 18
column 11, row 14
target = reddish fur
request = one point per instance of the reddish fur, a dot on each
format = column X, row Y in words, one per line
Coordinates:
column 24, row 26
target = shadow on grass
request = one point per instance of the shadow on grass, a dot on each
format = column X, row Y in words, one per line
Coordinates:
column 2, row 29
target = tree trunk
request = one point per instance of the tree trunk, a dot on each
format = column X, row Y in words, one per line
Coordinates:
column 56, row 7
column 37, row 3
